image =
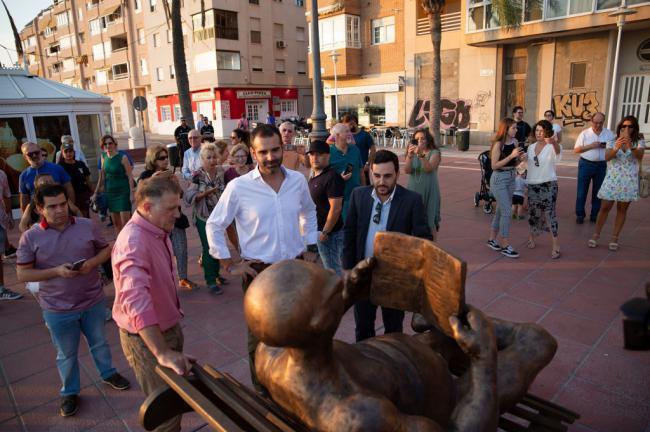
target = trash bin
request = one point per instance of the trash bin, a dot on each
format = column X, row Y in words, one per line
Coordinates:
column 462, row 139
column 174, row 157
column 636, row 324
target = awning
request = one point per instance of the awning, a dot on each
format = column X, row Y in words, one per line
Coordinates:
column 46, row 22
column 109, row 10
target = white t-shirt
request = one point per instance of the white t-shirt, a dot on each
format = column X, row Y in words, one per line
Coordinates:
column 547, row 159
column 588, row 136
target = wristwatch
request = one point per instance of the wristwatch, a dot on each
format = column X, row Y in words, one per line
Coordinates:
column 312, row 248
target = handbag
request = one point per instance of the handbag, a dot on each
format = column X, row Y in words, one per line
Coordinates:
column 182, row 222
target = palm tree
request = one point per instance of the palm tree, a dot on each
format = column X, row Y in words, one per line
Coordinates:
column 508, row 13
column 180, row 67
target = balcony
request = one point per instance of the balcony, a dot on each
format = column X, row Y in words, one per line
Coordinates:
column 348, row 64
column 449, row 22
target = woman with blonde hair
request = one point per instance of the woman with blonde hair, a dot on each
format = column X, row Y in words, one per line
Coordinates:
column 239, row 155
column 115, row 178
column 203, row 194
column 504, row 156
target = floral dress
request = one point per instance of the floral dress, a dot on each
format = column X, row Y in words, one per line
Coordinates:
column 622, row 180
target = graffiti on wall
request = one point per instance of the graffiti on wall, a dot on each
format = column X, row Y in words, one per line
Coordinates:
column 455, row 112
column 575, row 109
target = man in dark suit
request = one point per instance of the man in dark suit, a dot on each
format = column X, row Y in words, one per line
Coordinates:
column 385, row 206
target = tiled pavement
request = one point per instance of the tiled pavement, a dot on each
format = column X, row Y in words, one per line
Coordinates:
column 576, row 298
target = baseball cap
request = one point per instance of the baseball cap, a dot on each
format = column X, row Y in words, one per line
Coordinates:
column 318, row 146
column 67, row 146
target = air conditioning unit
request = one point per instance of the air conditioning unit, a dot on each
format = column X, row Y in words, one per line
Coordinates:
column 280, row 44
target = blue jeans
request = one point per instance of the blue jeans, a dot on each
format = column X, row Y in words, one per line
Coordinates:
column 65, row 329
column 502, row 184
column 330, row 251
column 589, row 172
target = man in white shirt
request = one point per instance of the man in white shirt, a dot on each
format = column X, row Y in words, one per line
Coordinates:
column 203, row 121
column 274, row 214
column 592, row 166
column 192, row 156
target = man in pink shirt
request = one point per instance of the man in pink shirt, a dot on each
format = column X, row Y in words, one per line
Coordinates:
column 146, row 307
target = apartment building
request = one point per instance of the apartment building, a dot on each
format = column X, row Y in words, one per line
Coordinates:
column 242, row 57
column 362, row 59
column 561, row 58
column 92, row 45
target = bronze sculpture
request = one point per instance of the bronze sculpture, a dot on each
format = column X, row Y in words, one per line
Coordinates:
column 390, row 382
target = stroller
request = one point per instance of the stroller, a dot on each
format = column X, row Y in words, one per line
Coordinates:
column 484, row 194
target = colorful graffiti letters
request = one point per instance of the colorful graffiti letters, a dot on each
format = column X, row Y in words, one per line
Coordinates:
column 455, row 112
column 575, row 108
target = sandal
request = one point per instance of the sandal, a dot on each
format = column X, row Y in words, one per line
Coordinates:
column 555, row 254
column 613, row 245
column 593, row 241
column 530, row 244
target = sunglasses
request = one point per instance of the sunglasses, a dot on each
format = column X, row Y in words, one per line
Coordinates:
column 536, row 161
column 33, row 154
column 377, row 217
column 161, row 158
column 627, row 126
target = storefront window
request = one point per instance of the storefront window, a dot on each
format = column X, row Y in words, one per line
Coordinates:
column 89, row 135
column 12, row 135
column 49, row 130
column 369, row 108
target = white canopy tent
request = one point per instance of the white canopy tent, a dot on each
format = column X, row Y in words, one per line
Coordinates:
column 41, row 111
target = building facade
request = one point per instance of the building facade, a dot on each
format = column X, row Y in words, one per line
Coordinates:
column 362, row 59
column 242, row 57
column 560, row 58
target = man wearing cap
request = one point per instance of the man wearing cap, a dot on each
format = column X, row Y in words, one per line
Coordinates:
column 326, row 188
column 78, row 153
column 180, row 134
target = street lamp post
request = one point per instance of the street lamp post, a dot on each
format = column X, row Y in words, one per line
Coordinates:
column 318, row 117
column 620, row 13
column 335, row 57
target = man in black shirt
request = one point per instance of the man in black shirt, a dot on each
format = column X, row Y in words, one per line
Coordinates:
column 523, row 128
column 79, row 177
column 326, row 188
column 181, row 138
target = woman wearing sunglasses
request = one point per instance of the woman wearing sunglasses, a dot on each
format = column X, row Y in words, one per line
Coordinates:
column 156, row 161
column 621, row 184
column 542, row 185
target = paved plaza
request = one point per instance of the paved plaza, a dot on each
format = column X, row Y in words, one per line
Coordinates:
column 576, row 298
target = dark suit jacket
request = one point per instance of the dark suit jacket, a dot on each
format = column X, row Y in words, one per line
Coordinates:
column 407, row 215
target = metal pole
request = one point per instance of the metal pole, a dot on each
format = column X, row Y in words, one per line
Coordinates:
column 318, row 117
column 144, row 134
column 620, row 21
column 335, row 56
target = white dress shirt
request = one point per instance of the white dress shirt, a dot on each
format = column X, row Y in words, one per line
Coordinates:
column 374, row 228
column 588, row 136
column 547, row 159
column 271, row 226
column 191, row 162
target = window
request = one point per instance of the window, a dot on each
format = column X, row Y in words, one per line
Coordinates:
column 66, row 42
column 170, row 37
column 256, row 34
column 177, row 112
column 92, row 4
column 228, row 60
column 108, row 20
column 300, row 34
column 165, row 113
column 383, row 30
column 152, row 5
column 68, row 64
column 142, row 38
column 300, row 2
column 101, row 77
column 120, row 71
column 226, row 22
column 288, row 106
column 62, row 19
column 95, row 28
column 49, row 31
column 160, row 74
column 53, row 50
column 279, row 66
column 31, row 41
column 533, row 10
column 256, row 63
column 340, row 31
column 643, row 52
column 302, row 67
column 613, row 4
column 156, row 39
column 138, row 5
column 144, row 69
column 578, row 75
column 80, row 13
column 255, row 2
column 278, row 31
column 172, row 72
column 82, row 39
column 98, row 51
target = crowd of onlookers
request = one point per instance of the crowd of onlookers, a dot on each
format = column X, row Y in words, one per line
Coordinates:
column 252, row 208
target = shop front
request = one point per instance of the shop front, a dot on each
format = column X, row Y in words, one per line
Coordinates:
column 372, row 104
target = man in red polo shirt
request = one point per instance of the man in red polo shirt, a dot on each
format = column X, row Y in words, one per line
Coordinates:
column 62, row 253
column 146, row 307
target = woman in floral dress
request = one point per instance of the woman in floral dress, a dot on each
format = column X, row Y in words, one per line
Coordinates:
column 621, row 184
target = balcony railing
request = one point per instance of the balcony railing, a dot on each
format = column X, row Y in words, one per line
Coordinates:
column 120, row 76
column 449, row 22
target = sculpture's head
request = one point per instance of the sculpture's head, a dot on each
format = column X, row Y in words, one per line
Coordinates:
column 294, row 304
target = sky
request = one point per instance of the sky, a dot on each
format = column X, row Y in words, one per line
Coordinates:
column 22, row 11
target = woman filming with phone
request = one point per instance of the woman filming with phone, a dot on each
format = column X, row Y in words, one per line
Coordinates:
column 621, row 184
column 422, row 161
column 505, row 154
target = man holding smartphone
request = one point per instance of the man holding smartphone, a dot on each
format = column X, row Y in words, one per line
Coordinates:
column 62, row 253
column 346, row 160
column 592, row 166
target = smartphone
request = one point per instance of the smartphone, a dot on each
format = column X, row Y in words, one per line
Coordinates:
column 348, row 169
column 77, row 264
column 603, row 144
